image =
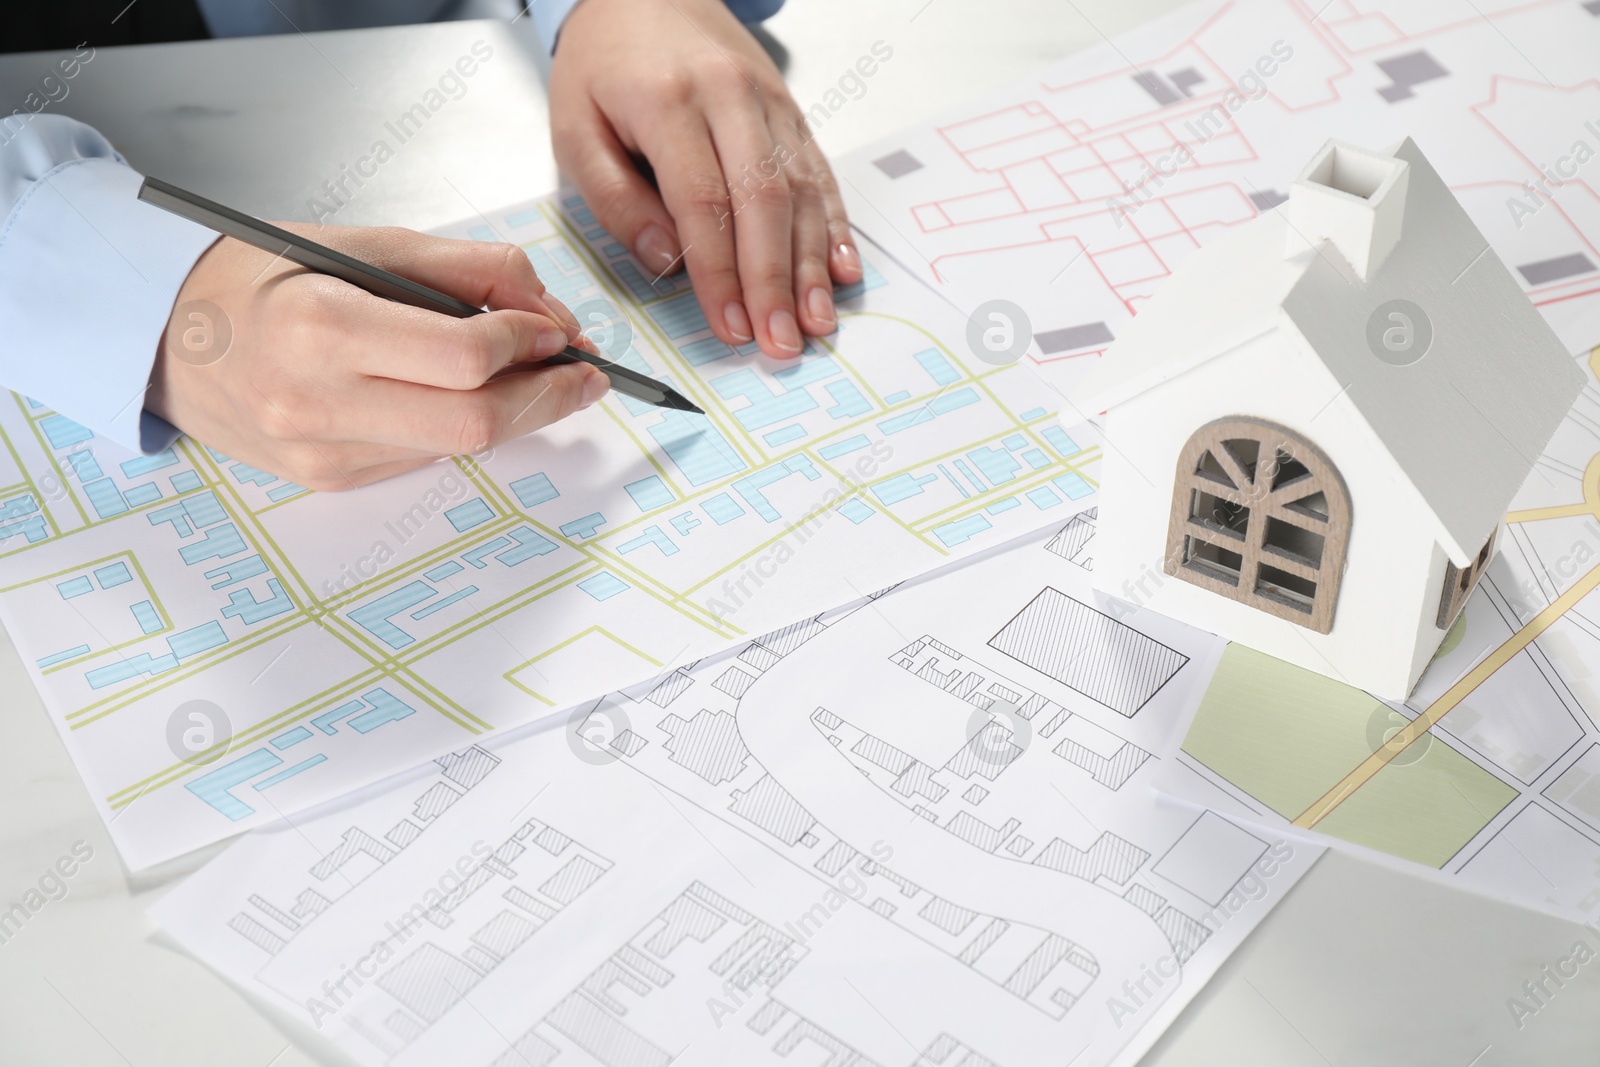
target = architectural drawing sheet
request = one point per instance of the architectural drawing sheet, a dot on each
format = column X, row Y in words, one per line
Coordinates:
column 1490, row 773
column 1075, row 192
column 219, row 647
column 914, row 830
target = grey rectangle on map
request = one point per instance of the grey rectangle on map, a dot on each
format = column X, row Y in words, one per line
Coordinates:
column 1091, row 652
column 1069, row 337
column 1159, row 90
column 1267, row 199
column 1550, row 270
column 898, row 164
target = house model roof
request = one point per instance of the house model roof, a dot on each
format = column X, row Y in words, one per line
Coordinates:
column 1464, row 423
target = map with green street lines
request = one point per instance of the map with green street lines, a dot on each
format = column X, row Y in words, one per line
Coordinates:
column 221, row 648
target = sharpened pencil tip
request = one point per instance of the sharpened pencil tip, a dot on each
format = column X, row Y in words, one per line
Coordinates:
column 678, row 402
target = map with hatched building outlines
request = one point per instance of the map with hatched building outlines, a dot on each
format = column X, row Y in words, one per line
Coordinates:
column 868, row 837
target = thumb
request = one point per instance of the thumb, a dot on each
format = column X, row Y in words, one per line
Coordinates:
column 480, row 273
column 533, row 399
column 623, row 199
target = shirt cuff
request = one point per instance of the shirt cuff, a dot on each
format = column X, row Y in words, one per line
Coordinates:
column 88, row 277
column 155, row 433
column 548, row 15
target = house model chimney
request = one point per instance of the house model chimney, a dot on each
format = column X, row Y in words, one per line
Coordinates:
column 1352, row 198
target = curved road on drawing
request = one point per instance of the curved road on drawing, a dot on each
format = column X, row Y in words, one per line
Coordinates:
column 775, row 723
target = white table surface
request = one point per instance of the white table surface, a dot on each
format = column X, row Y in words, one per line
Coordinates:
column 1360, row 965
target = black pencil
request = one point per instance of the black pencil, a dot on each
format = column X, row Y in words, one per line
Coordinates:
column 379, row 282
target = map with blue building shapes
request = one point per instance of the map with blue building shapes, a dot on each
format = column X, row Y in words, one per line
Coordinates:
column 337, row 638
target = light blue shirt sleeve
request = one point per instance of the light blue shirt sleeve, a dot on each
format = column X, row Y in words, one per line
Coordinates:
column 243, row 18
column 249, row 18
column 88, row 276
column 548, row 15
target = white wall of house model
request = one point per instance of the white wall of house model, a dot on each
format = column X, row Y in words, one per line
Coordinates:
column 1316, row 426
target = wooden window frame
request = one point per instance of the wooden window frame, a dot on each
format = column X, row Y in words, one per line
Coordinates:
column 1255, row 514
column 1459, row 583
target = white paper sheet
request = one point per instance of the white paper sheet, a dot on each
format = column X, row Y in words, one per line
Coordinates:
column 1077, row 191
column 913, row 830
column 218, row 647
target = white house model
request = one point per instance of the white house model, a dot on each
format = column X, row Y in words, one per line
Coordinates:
column 1315, row 427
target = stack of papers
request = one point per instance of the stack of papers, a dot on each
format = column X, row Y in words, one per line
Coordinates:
column 221, row 649
column 643, row 752
column 917, row 829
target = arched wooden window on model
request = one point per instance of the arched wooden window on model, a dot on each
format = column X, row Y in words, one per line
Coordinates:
column 1260, row 515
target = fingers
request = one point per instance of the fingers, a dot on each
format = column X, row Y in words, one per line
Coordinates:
column 389, row 340
column 299, row 451
column 813, row 285
column 450, row 422
column 381, row 387
column 481, row 273
column 763, row 224
column 844, row 262
column 325, row 471
column 389, row 426
column 380, row 471
column 623, row 201
column 824, row 250
column 680, row 150
column 764, row 230
column 331, row 466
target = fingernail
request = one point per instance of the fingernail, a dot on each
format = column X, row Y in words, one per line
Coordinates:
column 846, row 259
column 819, row 302
column 785, row 331
column 549, row 341
column 738, row 322
column 568, row 319
column 595, row 386
column 655, row 248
